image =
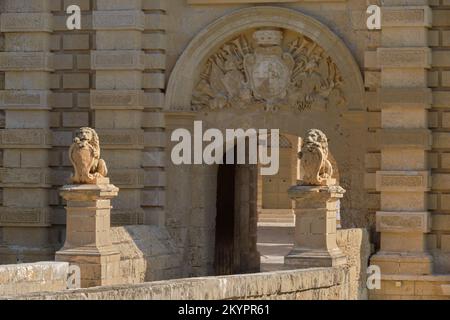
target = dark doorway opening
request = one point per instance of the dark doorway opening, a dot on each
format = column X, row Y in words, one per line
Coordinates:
column 225, row 220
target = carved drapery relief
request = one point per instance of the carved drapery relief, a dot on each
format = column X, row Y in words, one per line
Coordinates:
column 269, row 72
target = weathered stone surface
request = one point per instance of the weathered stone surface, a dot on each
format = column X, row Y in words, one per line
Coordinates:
column 403, row 181
column 120, row 75
column 117, row 60
column 85, row 157
column 26, row 61
column 116, row 99
column 148, row 253
column 88, row 244
column 403, row 222
column 118, row 20
column 313, row 284
column 23, row 279
column 26, row 22
column 411, row 16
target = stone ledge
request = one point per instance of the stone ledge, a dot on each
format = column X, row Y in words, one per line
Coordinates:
column 118, row 20
column 405, row 138
column 24, row 217
column 403, row 222
column 398, row 263
column 25, row 139
column 25, row 178
column 128, row 178
column 125, row 217
column 293, row 282
column 403, row 181
column 118, row 60
column 408, row 57
column 33, row 277
column 121, row 139
column 406, row 16
column 405, row 97
column 25, row 100
column 26, row 22
column 117, row 99
column 26, row 61
column 414, row 287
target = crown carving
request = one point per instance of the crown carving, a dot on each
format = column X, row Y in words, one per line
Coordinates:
column 268, row 37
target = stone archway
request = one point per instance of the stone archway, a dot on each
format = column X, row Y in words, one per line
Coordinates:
column 192, row 68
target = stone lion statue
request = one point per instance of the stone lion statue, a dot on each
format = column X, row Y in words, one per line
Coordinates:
column 85, row 157
column 317, row 169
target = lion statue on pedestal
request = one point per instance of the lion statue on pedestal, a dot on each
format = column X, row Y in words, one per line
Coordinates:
column 85, row 157
column 316, row 166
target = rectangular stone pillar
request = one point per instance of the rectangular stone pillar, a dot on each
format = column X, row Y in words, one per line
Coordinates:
column 88, row 243
column 118, row 100
column 315, row 227
column 404, row 178
column 26, row 139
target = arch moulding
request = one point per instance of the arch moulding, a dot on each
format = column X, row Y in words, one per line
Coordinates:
column 207, row 42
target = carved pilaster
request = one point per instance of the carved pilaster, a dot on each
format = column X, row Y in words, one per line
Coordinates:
column 154, row 46
column 119, row 99
column 404, row 178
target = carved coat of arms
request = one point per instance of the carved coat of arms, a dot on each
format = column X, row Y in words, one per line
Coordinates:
column 242, row 75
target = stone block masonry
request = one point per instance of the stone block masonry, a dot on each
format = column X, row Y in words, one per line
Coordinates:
column 154, row 44
column 437, row 240
column 312, row 284
column 149, row 254
column 35, row 277
column 27, row 63
column 109, row 75
column 118, row 62
column 403, row 179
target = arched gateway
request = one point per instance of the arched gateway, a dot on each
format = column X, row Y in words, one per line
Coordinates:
column 262, row 68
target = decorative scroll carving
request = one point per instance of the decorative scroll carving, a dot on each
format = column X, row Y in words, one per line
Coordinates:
column 85, row 157
column 266, row 73
column 317, row 169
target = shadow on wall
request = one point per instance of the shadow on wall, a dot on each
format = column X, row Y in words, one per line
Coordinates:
column 148, row 253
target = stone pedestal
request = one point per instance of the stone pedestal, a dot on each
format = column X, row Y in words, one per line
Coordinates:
column 88, row 243
column 315, row 227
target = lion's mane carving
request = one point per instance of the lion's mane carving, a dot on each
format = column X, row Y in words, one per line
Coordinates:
column 85, row 157
column 317, row 169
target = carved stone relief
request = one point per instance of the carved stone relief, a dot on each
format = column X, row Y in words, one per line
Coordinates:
column 271, row 72
column 85, row 157
column 316, row 166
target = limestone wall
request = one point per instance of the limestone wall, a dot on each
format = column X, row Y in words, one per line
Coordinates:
column 37, row 277
column 42, row 105
column 355, row 244
column 147, row 253
column 312, row 284
column 439, row 80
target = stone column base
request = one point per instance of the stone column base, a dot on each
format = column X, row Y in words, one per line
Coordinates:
column 403, row 263
column 412, row 287
column 88, row 242
column 303, row 259
column 98, row 267
column 315, row 227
